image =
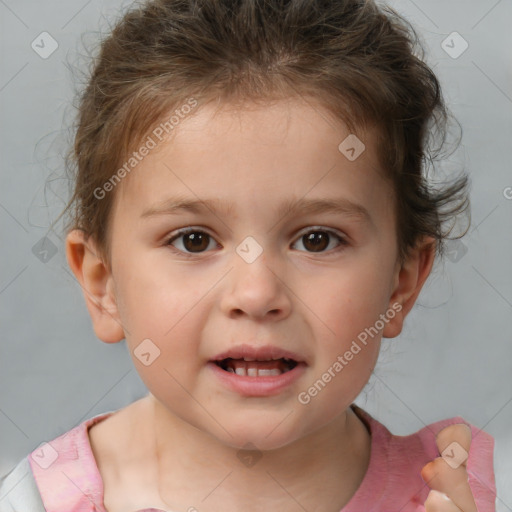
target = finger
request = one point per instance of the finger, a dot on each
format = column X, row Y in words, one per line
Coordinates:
column 451, row 481
column 453, row 443
column 438, row 502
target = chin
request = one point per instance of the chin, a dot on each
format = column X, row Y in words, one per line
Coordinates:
column 258, row 435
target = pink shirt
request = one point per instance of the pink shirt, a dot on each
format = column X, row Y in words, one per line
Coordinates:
column 68, row 479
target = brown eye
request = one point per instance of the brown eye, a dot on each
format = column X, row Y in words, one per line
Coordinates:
column 316, row 241
column 319, row 240
column 193, row 241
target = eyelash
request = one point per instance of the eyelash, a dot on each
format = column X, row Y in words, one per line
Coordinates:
column 185, row 231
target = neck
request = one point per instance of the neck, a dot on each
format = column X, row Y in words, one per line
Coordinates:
column 326, row 466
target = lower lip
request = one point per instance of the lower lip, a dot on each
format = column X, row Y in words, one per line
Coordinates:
column 258, row 386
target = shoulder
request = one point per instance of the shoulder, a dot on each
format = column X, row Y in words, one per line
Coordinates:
column 396, row 463
column 18, row 490
column 58, row 475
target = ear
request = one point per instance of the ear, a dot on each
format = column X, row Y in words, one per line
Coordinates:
column 408, row 282
column 97, row 283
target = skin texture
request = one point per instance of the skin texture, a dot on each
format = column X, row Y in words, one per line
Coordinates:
column 192, row 308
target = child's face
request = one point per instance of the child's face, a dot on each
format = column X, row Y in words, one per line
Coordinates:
column 200, row 297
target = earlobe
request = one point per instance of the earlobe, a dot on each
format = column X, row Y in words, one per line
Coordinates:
column 409, row 279
column 96, row 281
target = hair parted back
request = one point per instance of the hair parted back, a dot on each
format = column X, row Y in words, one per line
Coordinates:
column 361, row 61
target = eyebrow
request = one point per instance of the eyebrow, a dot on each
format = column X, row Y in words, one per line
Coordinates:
column 173, row 206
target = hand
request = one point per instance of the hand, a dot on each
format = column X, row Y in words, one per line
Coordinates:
column 450, row 491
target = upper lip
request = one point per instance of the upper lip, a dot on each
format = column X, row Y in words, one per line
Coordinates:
column 262, row 353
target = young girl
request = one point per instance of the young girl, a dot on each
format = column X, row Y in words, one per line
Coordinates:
column 251, row 213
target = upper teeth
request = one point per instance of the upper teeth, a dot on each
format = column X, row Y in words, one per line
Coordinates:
column 266, row 359
column 255, row 372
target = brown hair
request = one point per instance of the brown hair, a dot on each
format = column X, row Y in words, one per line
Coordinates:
column 364, row 63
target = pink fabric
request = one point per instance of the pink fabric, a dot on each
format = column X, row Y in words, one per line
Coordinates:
column 68, row 479
column 393, row 481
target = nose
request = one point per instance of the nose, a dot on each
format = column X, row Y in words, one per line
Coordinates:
column 256, row 290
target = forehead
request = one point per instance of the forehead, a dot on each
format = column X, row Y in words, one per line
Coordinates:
column 253, row 155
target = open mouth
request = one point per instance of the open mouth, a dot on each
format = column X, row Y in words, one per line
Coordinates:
column 248, row 367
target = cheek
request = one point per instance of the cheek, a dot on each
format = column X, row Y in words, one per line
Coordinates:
column 167, row 359
column 153, row 301
column 337, row 384
column 351, row 303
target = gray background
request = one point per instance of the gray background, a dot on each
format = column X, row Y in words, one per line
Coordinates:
column 455, row 354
